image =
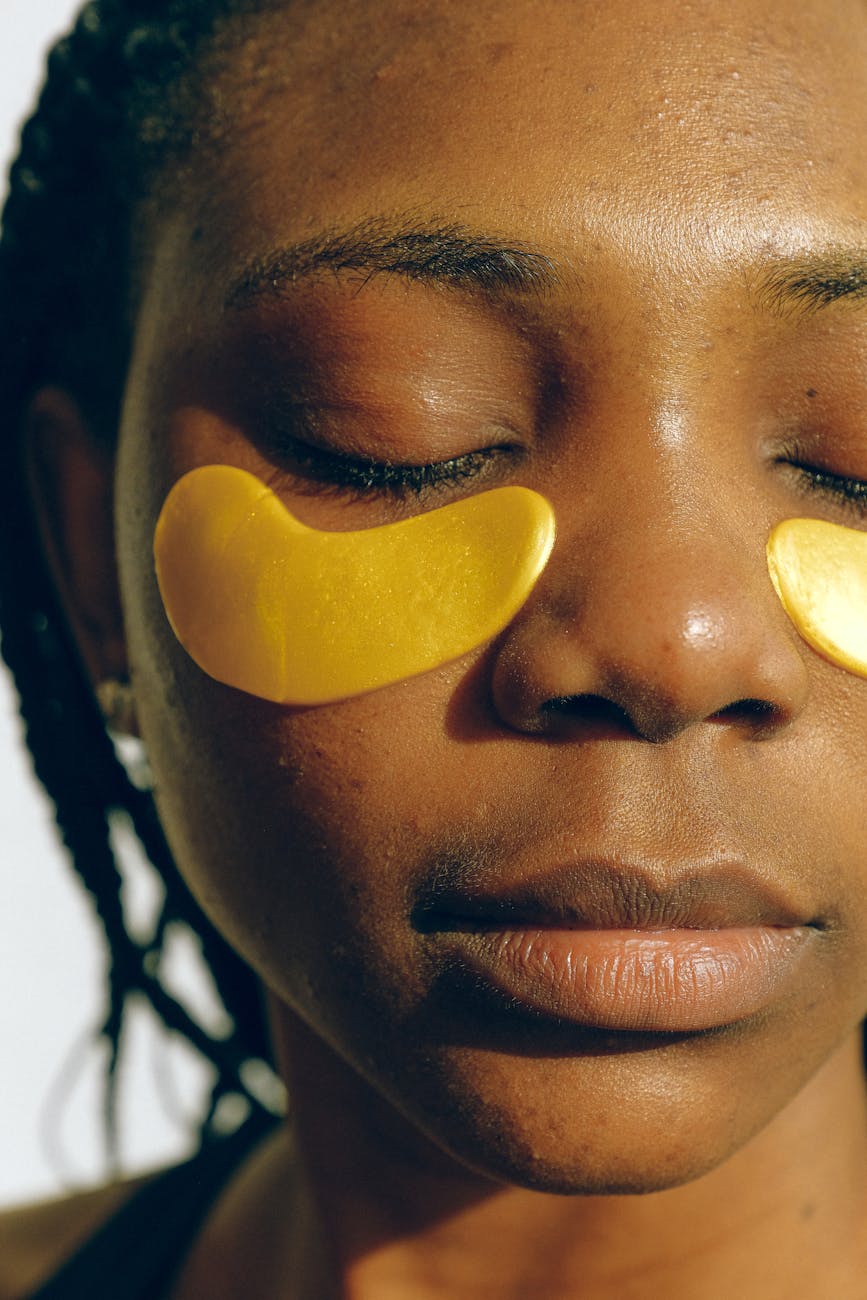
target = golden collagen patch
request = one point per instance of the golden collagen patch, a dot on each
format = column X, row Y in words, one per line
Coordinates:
column 288, row 613
column 820, row 573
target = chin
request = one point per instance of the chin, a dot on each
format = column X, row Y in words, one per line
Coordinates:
column 586, row 1128
column 583, row 1169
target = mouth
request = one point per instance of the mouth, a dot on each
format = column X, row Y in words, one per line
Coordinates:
column 611, row 947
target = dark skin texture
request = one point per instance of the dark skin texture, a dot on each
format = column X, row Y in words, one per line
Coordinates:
column 668, row 160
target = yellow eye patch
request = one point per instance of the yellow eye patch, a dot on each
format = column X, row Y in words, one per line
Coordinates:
column 820, row 572
column 288, row 613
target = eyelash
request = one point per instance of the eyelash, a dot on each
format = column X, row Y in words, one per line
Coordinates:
column 322, row 469
column 850, row 492
column 361, row 475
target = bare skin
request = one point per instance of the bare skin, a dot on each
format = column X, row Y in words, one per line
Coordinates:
column 674, row 164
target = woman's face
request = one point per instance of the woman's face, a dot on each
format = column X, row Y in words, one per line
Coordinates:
column 649, row 743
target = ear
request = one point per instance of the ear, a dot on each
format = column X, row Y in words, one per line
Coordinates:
column 71, row 479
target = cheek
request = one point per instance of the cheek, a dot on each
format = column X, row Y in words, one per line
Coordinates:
column 302, row 831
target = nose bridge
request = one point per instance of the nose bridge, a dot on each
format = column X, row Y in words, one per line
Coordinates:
column 669, row 526
column 673, row 596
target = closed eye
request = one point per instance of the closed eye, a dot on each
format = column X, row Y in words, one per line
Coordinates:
column 841, row 489
column 361, row 474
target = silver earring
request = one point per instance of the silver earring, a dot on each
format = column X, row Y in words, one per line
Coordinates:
column 116, row 699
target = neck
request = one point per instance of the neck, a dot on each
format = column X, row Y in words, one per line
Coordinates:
column 375, row 1210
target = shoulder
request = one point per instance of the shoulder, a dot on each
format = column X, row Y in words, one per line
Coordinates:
column 36, row 1239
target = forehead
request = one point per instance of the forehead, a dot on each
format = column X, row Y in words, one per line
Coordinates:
column 657, row 134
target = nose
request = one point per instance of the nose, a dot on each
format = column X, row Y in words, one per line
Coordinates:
column 652, row 623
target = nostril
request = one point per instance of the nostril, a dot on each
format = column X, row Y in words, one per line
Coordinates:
column 589, row 709
column 648, row 717
column 753, row 713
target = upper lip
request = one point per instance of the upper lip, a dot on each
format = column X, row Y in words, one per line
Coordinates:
column 604, row 894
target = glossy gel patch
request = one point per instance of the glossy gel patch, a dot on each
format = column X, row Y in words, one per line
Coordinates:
column 288, row 613
column 820, row 572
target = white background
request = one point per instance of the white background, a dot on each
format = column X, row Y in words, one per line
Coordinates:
column 51, row 959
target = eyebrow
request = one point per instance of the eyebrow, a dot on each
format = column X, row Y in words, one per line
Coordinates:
column 454, row 256
column 810, row 283
column 448, row 255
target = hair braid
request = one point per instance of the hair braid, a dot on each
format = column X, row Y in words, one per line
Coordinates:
column 113, row 112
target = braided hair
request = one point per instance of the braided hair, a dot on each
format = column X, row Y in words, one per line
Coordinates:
column 118, row 107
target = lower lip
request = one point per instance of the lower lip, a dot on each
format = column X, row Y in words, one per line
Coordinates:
column 656, row 981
